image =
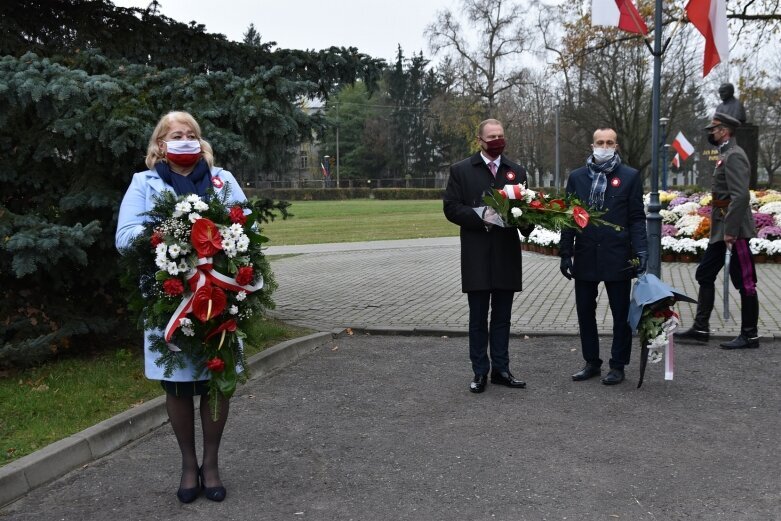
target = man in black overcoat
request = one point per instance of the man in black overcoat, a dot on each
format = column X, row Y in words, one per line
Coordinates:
column 602, row 254
column 490, row 254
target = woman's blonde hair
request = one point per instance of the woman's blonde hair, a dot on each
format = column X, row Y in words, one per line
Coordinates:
column 153, row 152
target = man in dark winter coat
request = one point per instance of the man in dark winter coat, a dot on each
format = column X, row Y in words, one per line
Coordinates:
column 732, row 225
column 603, row 254
column 490, row 254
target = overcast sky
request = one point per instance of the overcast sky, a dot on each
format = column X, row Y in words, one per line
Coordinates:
column 375, row 27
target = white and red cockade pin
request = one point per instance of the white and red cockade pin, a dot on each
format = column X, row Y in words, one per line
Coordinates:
column 719, row 162
column 217, row 182
column 615, row 182
column 510, row 175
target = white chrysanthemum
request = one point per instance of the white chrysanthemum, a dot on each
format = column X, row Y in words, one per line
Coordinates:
column 174, row 250
column 233, row 310
column 686, row 208
column 241, row 295
column 686, row 245
column 186, row 249
column 544, row 237
column 687, row 225
column 759, row 246
column 185, row 322
column 774, row 247
column 194, row 217
column 192, row 198
column 161, row 249
column 771, row 208
column 172, row 268
column 517, row 212
column 200, row 206
column 242, row 244
column 529, row 195
column 161, row 263
column 655, row 356
column 237, row 230
column 188, row 331
column 668, row 217
column 182, row 266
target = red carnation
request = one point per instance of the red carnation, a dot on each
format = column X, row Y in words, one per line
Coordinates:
column 156, row 239
column 237, row 215
column 173, row 287
column 216, row 365
column 535, row 204
column 245, row 275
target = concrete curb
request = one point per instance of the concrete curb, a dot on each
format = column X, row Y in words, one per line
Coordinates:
column 55, row 460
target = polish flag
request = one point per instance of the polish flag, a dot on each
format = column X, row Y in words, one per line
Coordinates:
column 323, row 170
column 710, row 18
column 677, row 161
column 618, row 13
column 682, row 146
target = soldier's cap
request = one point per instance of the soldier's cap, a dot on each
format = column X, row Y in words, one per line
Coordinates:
column 722, row 119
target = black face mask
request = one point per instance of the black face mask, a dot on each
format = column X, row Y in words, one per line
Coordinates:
column 712, row 140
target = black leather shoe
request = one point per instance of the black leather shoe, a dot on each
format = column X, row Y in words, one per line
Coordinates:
column 692, row 335
column 507, row 379
column 478, row 384
column 741, row 342
column 588, row 371
column 212, row 493
column 614, row 376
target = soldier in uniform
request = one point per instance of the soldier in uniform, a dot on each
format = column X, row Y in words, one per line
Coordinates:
column 732, row 225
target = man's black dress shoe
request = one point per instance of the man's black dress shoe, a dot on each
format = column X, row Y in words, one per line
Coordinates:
column 507, row 379
column 692, row 335
column 588, row 371
column 614, row 376
column 741, row 342
column 478, row 384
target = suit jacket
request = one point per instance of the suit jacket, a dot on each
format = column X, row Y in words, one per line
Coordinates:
column 490, row 259
column 138, row 199
column 730, row 182
column 600, row 252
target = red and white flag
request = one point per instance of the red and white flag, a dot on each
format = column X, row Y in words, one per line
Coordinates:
column 682, row 146
column 618, row 13
column 677, row 161
column 323, row 170
column 710, row 18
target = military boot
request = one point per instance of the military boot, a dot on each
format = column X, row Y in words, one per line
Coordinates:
column 749, row 316
column 700, row 330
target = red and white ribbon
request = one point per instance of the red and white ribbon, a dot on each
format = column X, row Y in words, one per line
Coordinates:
column 203, row 274
column 669, row 357
column 514, row 191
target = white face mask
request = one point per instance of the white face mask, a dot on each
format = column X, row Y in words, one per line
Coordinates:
column 183, row 146
column 604, row 154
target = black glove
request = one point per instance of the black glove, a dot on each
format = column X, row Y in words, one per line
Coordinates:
column 566, row 267
column 643, row 266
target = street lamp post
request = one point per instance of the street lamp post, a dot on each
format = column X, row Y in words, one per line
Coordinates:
column 557, row 172
column 663, row 124
column 654, row 218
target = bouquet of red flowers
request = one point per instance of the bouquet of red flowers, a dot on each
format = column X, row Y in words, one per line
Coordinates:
column 202, row 276
column 522, row 207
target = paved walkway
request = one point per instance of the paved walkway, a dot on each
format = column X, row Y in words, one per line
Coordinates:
column 416, row 284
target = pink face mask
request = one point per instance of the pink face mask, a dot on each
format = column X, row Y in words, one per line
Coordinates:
column 183, row 153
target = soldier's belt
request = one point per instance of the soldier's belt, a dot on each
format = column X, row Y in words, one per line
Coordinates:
column 719, row 203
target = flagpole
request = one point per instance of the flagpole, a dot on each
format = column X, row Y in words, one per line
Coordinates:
column 654, row 219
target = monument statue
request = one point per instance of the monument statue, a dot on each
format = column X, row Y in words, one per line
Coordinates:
column 731, row 105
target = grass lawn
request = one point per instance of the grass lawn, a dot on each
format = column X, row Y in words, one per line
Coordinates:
column 42, row 405
column 359, row 220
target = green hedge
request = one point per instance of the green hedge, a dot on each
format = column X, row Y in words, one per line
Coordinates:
column 333, row 194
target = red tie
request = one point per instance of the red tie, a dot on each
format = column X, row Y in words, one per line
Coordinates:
column 492, row 168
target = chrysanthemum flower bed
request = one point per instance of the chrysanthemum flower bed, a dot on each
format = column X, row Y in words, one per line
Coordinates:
column 686, row 227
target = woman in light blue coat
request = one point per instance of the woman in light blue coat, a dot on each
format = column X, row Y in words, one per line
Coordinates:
column 180, row 161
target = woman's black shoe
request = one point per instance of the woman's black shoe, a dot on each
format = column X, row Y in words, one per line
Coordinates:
column 212, row 493
column 188, row 495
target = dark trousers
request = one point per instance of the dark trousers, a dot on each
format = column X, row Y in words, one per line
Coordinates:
column 498, row 334
column 742, row 271
column 618, row 293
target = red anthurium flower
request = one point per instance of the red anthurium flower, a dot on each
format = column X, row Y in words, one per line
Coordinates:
column 557, row 204
column 228, row 325
column 216, row 365
column 205, row 238
column 156, row 239
column 245, row 275
column 208, row 302
column 237, row 215
column 173, row 287
column 580, row 215
column 536, row 204
column 503, row 194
